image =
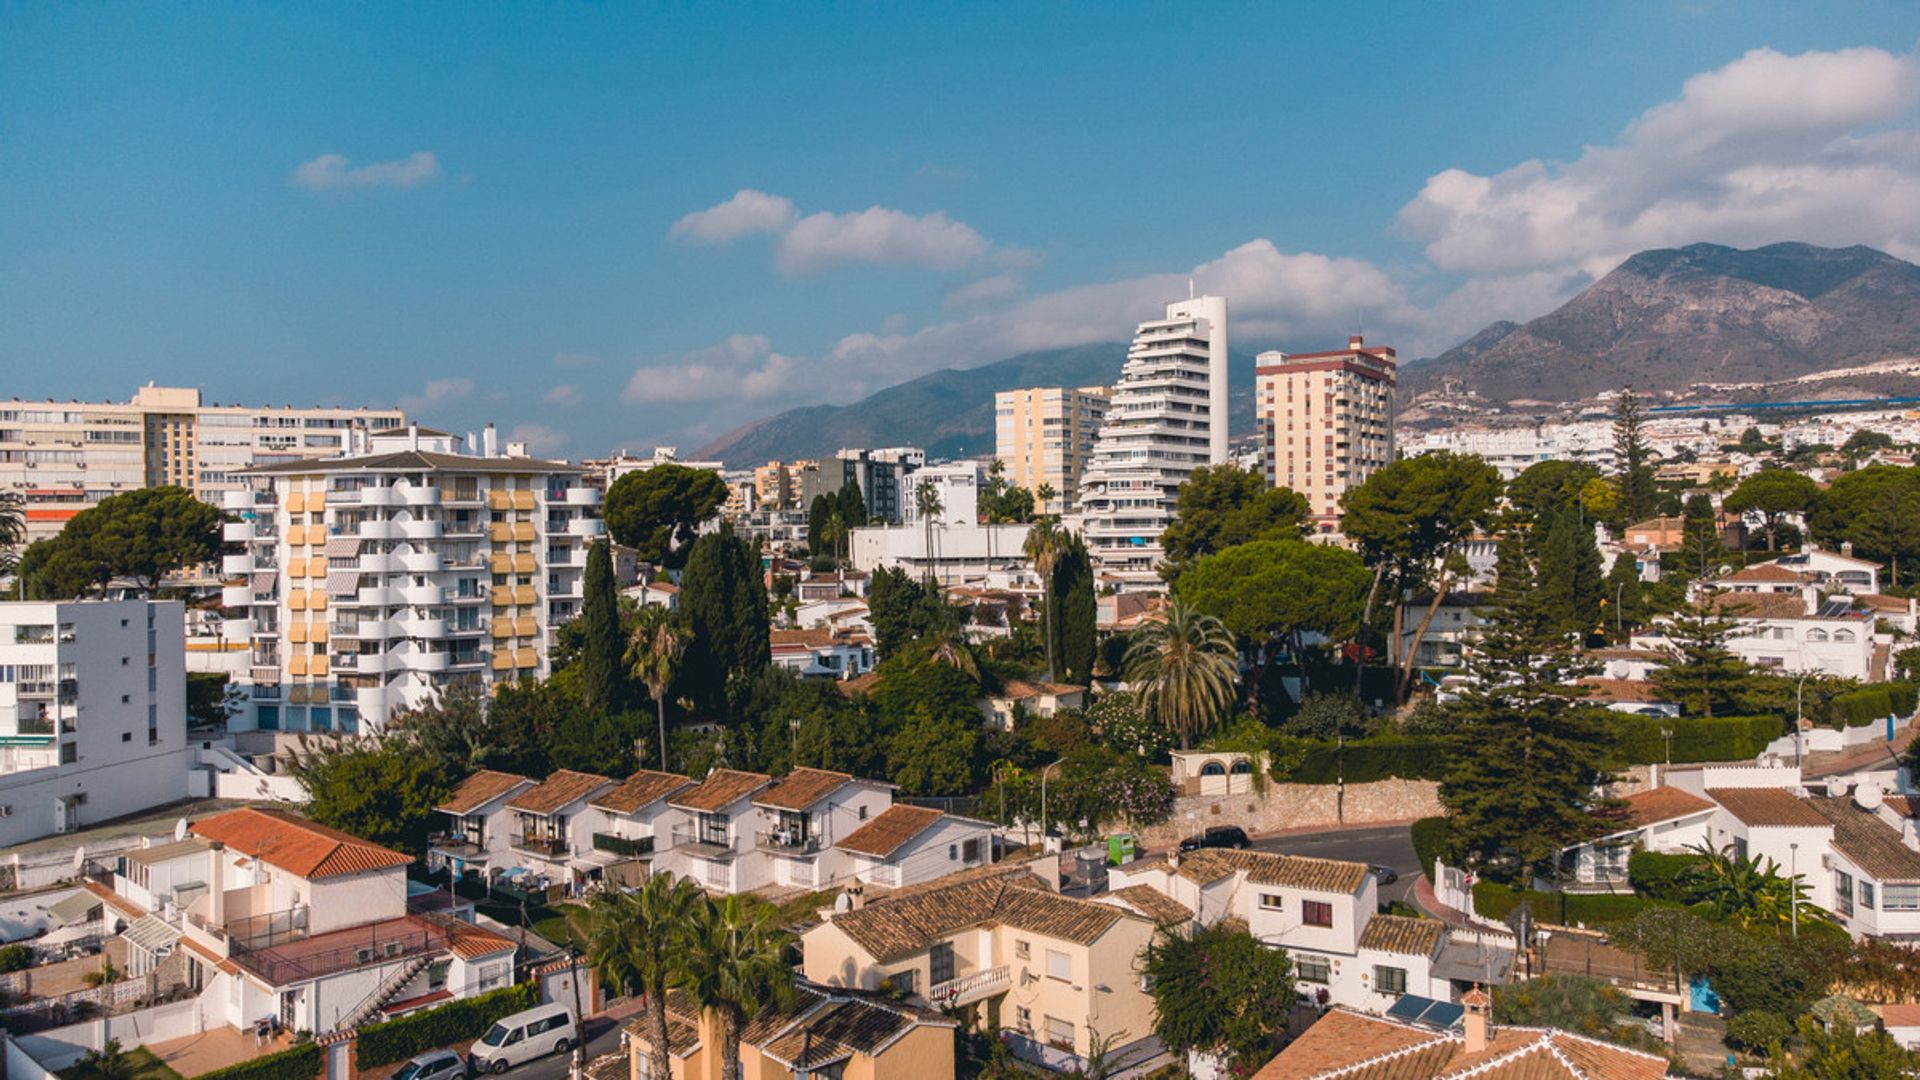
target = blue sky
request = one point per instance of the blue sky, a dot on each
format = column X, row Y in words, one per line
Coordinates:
column 618, row 225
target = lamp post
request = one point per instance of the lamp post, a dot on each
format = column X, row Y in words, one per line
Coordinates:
column 1050, row 766
column 1618, row 629
column 1793, row 883
column 1799, row 720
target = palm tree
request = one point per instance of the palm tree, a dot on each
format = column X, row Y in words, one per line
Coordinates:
column 1046, row 541
column 13, row 529
column 1043, row 495
column 1183, row 668
column 653, row 655
column 734, row 969
column 1745, row 890
column 636, row 941
column 926, row 503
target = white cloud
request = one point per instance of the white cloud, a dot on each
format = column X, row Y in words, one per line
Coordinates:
column 742, row 368
column 437, row 392
column 820, row 241
column 541, row 440
column 1769, row 147
column 747, row 213
column 566, row 396
column 333, row 172
column 986, row 292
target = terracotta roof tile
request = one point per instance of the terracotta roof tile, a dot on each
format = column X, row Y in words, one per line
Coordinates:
column 1402, row 934
column 558, row 790
column 1164, row 910
column 1766, row 572
column 859, row 684
column 802, row 788
column 1267, row 868
column 1662, row 804
column 1757, row 606
column 1351, row 1046
column 1868, row 842
column 721, row 789
column 1767, row 807
column 295, row 844
column 480, row 789
column 639, row 791
column 891, row 828
column 1619, row 690
column 1022, row 689
column 899, row 926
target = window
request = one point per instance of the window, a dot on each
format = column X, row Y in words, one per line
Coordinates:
column 1389, row 980
column 1272, row 902
column 940, row 963
column 904, row 981
column 1866, row 895
column 1060, row 1033
column 970, row 850
column 1023, row 1019
column 1059, row 966
column 1023, row 950
column 1900, row 898
column 1316, row 913
column 1843, row 891
column 1313, row 969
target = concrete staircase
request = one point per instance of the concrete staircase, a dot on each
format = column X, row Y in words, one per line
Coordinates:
column 369, row 1009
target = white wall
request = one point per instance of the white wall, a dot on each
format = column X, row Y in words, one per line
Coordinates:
column 58, row 1048
column 353, row 899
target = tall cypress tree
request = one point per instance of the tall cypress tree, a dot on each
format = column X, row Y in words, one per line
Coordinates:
column 1633, row 461
column 725, row 600
column 1555, row 598
column 1588, row 586
column 1073, row 590
column 601, row 645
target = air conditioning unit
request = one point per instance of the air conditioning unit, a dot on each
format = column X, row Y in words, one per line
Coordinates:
column 391, row 948
column 363, row 955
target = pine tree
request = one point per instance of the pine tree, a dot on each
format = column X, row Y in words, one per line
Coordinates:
column 1625, row 606
column 1073, row 591
column 1555, row 598
column 1633, row 460
column 1704, row 678
column 1514, row 598
column 602, row 644
column 1588, row 585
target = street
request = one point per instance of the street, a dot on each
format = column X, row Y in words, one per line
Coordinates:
column 1376, row 845
column 603, row 1037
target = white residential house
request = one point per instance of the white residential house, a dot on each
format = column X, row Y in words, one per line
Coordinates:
column 660, row 593
column 551, row 826
column 1789, row 632
column 639, row 822
column 830, row 614
column 741, row 831
column 714, row 844
column 1666, row 819
column 272, row 919
column 1037, row 698
column 1836, row 569
column 93, row 713
column 910, row 845
column 823, row 653
column 803, row 815
column 475, row 835
column 1455, row 623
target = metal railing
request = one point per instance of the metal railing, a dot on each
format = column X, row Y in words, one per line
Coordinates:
column 551, row 846
column 377, row 946
column 790, row 841
column 257, row 931
column 701, row 841
column 623, row 845
column 968, row 988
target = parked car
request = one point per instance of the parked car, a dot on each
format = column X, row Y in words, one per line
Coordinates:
column 1226, row 836
column 1383, row 875
column 518, row 1039
column 433, row 1065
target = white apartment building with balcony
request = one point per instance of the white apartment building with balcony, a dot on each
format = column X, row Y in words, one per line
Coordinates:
column 93, row 713
column 63, row 457
column 1327, row 421
column 1044, row 435
column 1168, row 417
column 371, row 583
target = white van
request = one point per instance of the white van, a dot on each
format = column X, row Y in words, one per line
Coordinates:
column 518, row 1039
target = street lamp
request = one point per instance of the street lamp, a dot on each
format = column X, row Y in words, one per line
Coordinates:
column 1793, row 883
column 1799, row 720
column 1617, row 628
column 1667, row 734
column 1050, row 766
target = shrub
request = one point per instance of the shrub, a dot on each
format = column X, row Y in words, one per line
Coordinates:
column 301, row 1062
column 401, row 1038
column 1857, row 708
column 1432, row 839
column 1757, row 1030
column 1721, row 738
column 1411, row 757
column 16, row 958
column 1661, row 876
column 1493, row 900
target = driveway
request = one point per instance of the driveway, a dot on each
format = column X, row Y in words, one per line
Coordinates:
column 1376, row 845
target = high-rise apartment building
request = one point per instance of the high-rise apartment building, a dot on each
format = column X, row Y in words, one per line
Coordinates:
column 1044, row 436
column 66, row 456
column 1327, row 421
column 373, row 582
column 1168, row 416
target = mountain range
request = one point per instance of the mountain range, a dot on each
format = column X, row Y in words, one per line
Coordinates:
column 1668, row 319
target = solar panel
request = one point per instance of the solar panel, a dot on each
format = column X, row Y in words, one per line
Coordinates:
column 1835, row 608
column 1444, row 1014
column 1426, row 1012
column 1409, row 1007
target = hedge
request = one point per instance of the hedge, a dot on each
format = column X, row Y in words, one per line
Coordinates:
column 1432, row 839
column 402, row 1037
column 1492, row 900
column 1869, row 704
column 1658, row 874
column 299, row 1063
column 1411, row 757
column 1695, row 738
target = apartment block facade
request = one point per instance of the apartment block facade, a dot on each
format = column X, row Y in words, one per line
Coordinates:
column 63, row 457
column 1167, row 418
column 1326, row 421
column 372, row 583
column 1044, row 435
column 93, row 720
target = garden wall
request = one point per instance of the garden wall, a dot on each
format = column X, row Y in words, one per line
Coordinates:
column 1298, row 806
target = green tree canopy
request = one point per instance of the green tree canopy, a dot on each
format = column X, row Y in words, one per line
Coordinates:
column 1275, row 591
column 1221, row 506
column 900, row 608
column 724, row 596
column 1076, row 626
column 1876, row 509
column 1773, row 494
column 656, row 511
column 1633, row 460
column 1703, row 677
column 143, row 534
column 1546, row 488
column 602, row 676
column 1183, row 668
column 381, row 791
column 1220, row 991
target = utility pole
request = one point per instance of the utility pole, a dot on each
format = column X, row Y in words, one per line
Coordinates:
column 579, row 1021
column 1793, row 883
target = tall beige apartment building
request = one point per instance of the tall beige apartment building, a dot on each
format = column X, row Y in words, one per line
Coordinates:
column 63, row 457
column 1045, row 435
column 1327, row 421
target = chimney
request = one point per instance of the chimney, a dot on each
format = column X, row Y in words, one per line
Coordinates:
column 217, row 887
column 486, row 441
column 1846, row 548
column 1354, row 341
column 857, row 897
column 1476, row 1003
column 413, row 435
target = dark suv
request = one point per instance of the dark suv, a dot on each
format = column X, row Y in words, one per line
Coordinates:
column 1229, row 836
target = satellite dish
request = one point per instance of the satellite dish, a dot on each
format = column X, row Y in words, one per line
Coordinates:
column 843, row 902
column 1723, row 571
column 1866, row 795
column 180, row 829
column 79, row 858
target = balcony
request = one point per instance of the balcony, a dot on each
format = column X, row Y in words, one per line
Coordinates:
column 379, row 496
column 420, row 530
column 344, row 950
column 586, row 526
column 548, row 846
column 580, row 496
column 703, row 842
column 33, row 727
column 632, row 847
column 423, row 595
column 422, row 562
column 419, row 495
column 786, row 842
column 378, row 530
column 257, row 931
column 236, row 532
column 457, row 846
column 967, row 989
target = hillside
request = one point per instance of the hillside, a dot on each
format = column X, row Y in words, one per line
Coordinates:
column 1673, row 318
column 949, row 413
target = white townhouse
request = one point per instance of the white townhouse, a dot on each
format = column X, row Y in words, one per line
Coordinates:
column 638, row 821
column 1836, row 569
column 909, row 845
column 1665, row 819
column 713, row 844
column 550, row 827
column 1324, row 913
column 1873, row 865
column 800, row 818
column 1788, row 632
column 823, row 652
column 274, row 920
column 474, row 837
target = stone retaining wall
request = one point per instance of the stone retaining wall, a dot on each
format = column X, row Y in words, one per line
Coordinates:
column 1298, row 806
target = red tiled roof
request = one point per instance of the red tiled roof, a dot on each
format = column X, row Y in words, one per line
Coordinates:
column 556, row 791
column 639, row 791
column 1662, row 804
column 859, row 684
column 802, row 788
column 1765, row 572
column 295, row 844
column 1021, row 689
column 1767, row 806
column 1352, row 1046
column 721, row 789
column 480, row 789
column 893, row 827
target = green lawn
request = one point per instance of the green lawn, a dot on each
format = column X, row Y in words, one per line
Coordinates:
column 145, row 1067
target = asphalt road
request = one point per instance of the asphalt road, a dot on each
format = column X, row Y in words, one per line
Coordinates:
column 1376, row 845
column 603, row 1037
